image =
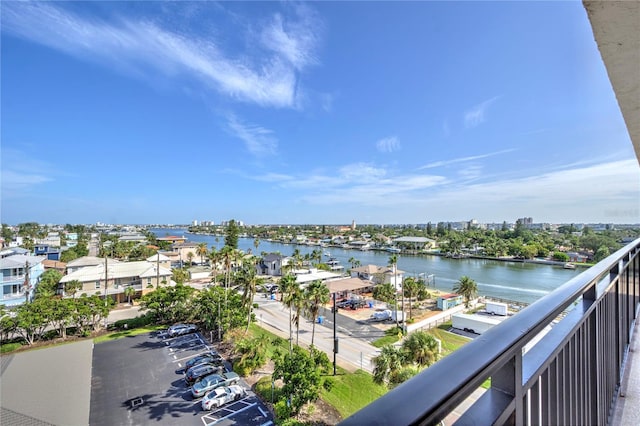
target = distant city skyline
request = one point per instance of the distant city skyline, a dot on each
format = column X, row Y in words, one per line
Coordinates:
column 320, row 112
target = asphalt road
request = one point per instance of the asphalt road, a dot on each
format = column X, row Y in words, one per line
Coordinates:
column 354, row 352
column 139, row 380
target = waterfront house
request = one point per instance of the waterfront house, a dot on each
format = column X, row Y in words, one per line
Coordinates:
column 183, row 250
column 448, row 301
column 20, row 277
column 272, row 264
column 160, row 259
column 379, row 274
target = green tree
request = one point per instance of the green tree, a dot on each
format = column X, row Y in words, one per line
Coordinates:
column 467, row 288
column 601, row 253
column 33, row 318
column 411, row 288
column 48, row 285
column 421, row 348
column 202, row 251
column 61, row 315
column 316, row 295
column 288, row 286
column 387, row 364
column 250, row 282
column 300, row 376
column 128, row 292
column 384, row 293
column 231, row 235
column 72, row 287
column 560, row 256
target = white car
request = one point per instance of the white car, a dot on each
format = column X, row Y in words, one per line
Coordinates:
column 181, row 329
column 220, row 396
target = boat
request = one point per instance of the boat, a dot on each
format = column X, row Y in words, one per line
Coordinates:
column 569, row 265
column 393, row 249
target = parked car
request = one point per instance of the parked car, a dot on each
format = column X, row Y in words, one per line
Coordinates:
column 196, row 373
column 222, row 395
column 213, row 381
column 181, row 329
column 204, row 358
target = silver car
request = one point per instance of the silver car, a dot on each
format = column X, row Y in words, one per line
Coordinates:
column 220, row 396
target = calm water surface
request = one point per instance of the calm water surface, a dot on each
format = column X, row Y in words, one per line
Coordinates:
column 522, row 282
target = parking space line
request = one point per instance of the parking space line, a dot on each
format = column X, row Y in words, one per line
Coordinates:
column 229, row 415
column 262, row 411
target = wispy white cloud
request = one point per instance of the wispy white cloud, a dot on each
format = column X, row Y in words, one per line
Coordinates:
column 21, row 172
column 294, row 40
column 389, row 144
column 258, row 140
column 143, row 47
column 477, row 115
column 462, row 159
column 574, row 194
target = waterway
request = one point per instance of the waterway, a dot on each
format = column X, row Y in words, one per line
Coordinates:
column 521, row 282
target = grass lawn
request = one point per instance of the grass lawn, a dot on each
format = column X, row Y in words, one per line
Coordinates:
column 133, row 332
column 450, row 341
column 10, row 347
column 352, row 391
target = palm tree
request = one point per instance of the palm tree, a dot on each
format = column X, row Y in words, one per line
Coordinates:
column 316, row 295
column 190, row 257
column 256, row 244
column 298, row 302
column 352, row 261
column 467, row 288
column 250, row 282
column 393, row 262
column 202, row 251
column 411, row 287
column 387, row 364
column 287, row 287
column 128, row 292
column 421, row 348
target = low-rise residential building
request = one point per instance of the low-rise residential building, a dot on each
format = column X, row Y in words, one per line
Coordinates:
column 272, row 264
column 87, row 261
column 379, row 274
column 448, row 301
column 20, row 276
column 143, row 276
column 49, row 252
column 183, row 250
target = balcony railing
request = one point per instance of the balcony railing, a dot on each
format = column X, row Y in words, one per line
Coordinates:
column 571, row 375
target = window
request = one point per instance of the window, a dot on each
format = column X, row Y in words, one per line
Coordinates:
column 148, row 280
column 97, row 284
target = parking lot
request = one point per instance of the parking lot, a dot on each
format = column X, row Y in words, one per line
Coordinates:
column 139, row 380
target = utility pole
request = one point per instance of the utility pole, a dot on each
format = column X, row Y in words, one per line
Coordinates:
column 158, row 269
column 27, row 282
column 335, row 338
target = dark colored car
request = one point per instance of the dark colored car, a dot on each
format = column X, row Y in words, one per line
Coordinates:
column 195, row 373
column 205, row 358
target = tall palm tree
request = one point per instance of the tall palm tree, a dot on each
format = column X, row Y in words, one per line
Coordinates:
column 467, row 288
column 352, row 261
column 411, row 287
column 202, row 251
column 287, row 287
column 298, row 302
column 190, row 257
column 393, row 262
column 256, row 244
column 316, row 295
column 250, row 282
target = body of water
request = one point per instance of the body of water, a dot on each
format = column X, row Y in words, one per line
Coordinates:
column 522, row 282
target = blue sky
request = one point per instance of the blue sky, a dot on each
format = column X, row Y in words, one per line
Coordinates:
column 321, row 112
